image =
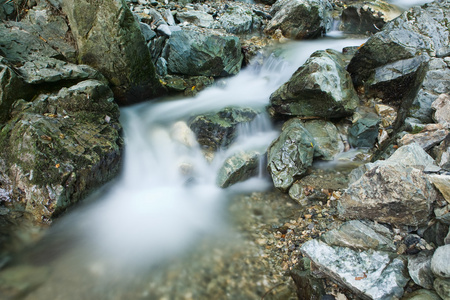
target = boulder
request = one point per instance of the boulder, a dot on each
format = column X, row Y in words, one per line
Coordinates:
column 442, row 287
column 319, row 88
column 290, row 155
column 440, row 262
column 11, row 88
column 239, row 167
column 196, row 17
column 300, row 19
column 218, row 130
column 59, row 148
column 419, row 269
column 206, row 54
column 327, row 141
column 430, row 136
column 370, row 274
column 441, row 107
column 364, row 132
column 442, row 183
column 238, row 20
column 109, row 39
column 389, row 193
column 442, row 154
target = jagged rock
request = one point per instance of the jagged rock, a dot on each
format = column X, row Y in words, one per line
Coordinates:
column 442, row 183
column 360, row 235
column 419, row 269
column 441, row 107
column 387, row 113
column 196, row 17
column 327, row 142
column 147, row 31
column 300, row 19
column 389, row 193
column 290, row 155
column 308, row 286
column 11, row 88
column 364, row 133
column 364, row 16
column 320, row 88
column 206, row 54
column 59, row 148
column 239, row 167
column 394, row 63
column 436, row 233
column 217, row 130
column 430, row 136
column 370, row 274
column 442, row 153
column 109, row 39
column 238, row 20
column 422, row 295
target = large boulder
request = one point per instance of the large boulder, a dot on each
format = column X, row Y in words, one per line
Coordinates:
column 320, row 88
column 300, row 19
column 109, row 39
column 290, row 155
column 59, row 148
column 238, row 20
column 208, row 54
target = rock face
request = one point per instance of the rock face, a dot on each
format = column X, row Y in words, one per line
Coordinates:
column 391, row 194
column 195, row 53
column 238, row 167
column 320, row 88
column 290, row 154
column 300, row 19
column 370, row 274
column 58, row 148
column 109, row 39
column 406, row 57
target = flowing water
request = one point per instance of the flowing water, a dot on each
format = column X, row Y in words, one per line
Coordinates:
column 164, row 214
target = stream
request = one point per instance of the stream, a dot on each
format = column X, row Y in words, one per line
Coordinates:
column 158, row 232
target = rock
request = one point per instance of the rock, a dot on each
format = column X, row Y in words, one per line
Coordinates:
column 364, row 133
column 363, row 16
column 442, row 287
column 218, row 130
column 308, row 287
column 20, row 280
column 419, row 269
column 147, row 31
column 360, row 235
column 441, row 106
column 389, row 193
column 161, row 67
column 436, row 233
column 422, row 295
column 440, row 262
column 196, row 17
column 442, row 183
column 300, row 19
column 238, row 20
column 320, row 88
column 11, row 87
column 290, row 155
column 109, row 39
column 369, row 274
column 391, row 64
column 195, row 53
column 387, row 113
column 327, row 140
column 239, row 167
column 60, row 147
column 442, row 153
column 430, row 136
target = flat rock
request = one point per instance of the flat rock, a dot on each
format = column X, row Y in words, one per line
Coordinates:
column 442, row 183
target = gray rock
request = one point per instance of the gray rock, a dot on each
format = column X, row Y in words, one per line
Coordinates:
column 161, row 67
column 442, row 287
column 239, row 167
column 110, row 40
column 164, row 30
column 441, row 107
column 320, row 88
column 364, row 133
column 430, row 136
column 290, row 155
column 196, row 17
column 443, row 214
column 360, row 235
column 195, row 53
column 20, row 280
column 237, row 20
column 11, row 86
column 147, row 31
column 442, row 183
column 369, row 274
column 327, row 139
column 440, row 262
column 419, row 269
column 168, row 16
column 442, row 153
column 422, row 295
column 300, row 19
column 389, row 194
column 436, row 233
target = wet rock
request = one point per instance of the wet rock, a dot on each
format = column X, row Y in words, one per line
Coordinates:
column 290, row 155
column 361, row 235
column 436, row 233
column 419, row 269
column 196, row 17
column 441, row 107
column 109, row 39
column 442, row 183
column 363, row 16
column 206, row 54
column 59, row 148
column 300, row 19
column 364, row 133
column 320, row 88
column 238, row 20
column 18, row 281
column 430, row 136
column 327, row 140
column 422, row 295
column 442, row 287
column 389, row 193
column 239, row 167
column 217, row 130
column 369, row 274
column 308, row 287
